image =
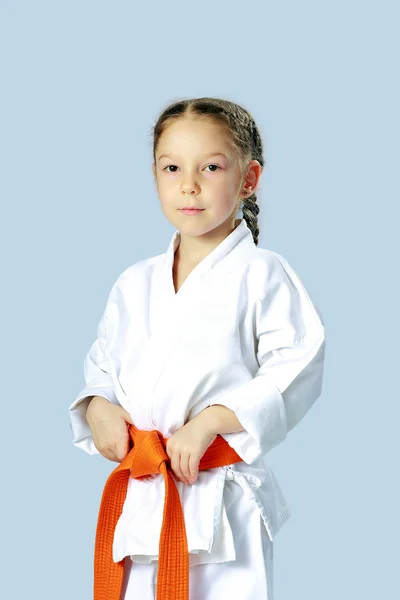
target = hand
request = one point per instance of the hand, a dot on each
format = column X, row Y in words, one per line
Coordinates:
column 187, row 445
column 109, row 426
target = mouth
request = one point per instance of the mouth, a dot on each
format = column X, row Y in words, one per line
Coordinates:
column 191, row 211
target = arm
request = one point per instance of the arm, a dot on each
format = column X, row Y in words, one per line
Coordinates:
column 220, row 419
column 98, row 383
column 290, row 355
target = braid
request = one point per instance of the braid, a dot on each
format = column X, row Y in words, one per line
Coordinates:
column 250, row 207
column 250, row 210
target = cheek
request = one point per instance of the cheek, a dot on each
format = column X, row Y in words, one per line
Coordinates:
column 226, row 196
column 166, row 192
column 226, row 187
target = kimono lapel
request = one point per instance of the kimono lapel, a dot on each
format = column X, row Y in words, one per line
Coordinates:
column 169, row 311
column 240, row 236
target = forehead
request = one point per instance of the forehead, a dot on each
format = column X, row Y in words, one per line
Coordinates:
column 197, row 136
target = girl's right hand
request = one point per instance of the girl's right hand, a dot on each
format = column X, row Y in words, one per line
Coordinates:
column 109, row 426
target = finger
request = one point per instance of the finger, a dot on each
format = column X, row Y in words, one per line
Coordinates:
column 193, row 468
column 122, row 448
column 114, row 458
column 109, row 450
column 184, row 464
column 175, row 465
column 127, row 417
column 107, row 453
column 174, row 460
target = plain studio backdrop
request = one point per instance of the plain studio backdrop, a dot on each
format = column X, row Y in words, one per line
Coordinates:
column 82, row 83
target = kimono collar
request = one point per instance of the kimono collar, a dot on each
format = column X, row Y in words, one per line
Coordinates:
column 241, row 235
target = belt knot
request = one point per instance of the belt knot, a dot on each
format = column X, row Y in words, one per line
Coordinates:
column 148, row 453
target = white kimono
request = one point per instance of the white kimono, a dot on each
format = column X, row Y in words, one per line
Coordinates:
column 241, row 332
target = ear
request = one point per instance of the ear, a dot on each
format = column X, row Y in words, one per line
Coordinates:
column 253, row 174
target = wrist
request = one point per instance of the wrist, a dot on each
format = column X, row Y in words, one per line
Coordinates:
column 221, row 419
column 92, row 404
column 209, row 419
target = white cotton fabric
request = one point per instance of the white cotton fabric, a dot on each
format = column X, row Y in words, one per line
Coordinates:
column 248, row 575
column 243, row 332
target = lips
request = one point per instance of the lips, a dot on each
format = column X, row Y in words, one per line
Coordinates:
column 191, row 211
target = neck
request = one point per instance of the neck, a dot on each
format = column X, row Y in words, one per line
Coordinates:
column 193, row 250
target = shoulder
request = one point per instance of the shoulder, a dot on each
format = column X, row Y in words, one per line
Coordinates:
column 274, row 282
column 265, row 269
column 280, row 287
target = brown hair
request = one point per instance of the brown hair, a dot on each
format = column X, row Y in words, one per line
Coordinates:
column 238, row 122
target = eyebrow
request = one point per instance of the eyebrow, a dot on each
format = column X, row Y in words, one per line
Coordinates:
column 205, row 156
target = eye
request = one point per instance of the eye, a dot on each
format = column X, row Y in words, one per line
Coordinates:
column 168, row 166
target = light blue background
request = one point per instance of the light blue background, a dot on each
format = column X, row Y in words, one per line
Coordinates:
column 82, row 83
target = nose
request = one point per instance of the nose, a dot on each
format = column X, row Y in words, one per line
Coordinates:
column 189, row 186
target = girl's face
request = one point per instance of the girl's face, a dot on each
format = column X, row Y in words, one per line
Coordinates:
column 200, row 171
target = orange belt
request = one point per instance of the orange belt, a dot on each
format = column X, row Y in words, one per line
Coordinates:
column 148, row 457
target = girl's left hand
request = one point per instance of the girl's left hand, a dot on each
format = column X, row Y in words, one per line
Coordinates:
column 187, row 445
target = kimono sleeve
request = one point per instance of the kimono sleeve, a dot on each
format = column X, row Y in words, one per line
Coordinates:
column 98, row 382
column 290, row 354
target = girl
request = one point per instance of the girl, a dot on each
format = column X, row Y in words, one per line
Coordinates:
column 206, row 356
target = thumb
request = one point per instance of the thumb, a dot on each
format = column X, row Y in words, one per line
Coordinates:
column 126, row 416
